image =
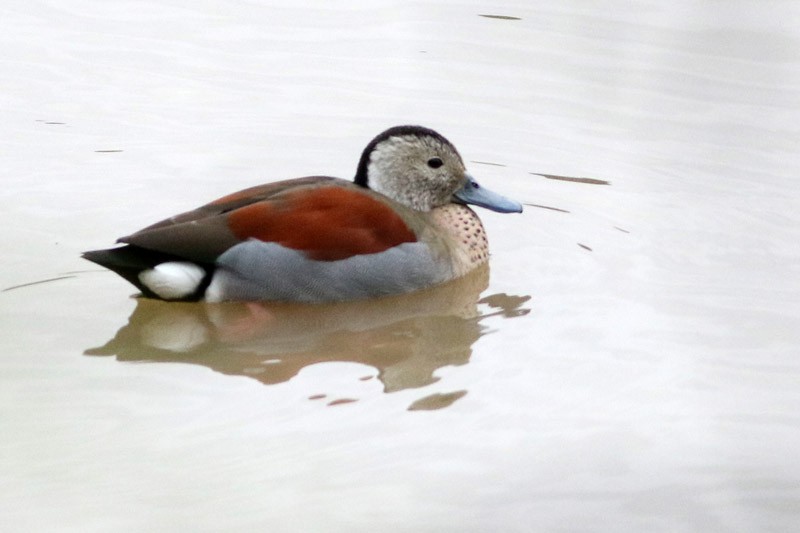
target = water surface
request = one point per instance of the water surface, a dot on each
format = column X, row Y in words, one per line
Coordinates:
column 629, row 363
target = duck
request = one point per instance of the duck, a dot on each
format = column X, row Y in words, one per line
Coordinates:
column 402, row 224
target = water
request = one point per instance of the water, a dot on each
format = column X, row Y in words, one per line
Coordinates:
column 631, row 363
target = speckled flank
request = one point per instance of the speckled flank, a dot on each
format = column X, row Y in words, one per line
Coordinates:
column 471, row 248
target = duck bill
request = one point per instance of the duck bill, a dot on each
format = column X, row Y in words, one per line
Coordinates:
column 473, row 193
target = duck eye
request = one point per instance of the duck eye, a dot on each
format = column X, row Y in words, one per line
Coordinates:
column 435, row 162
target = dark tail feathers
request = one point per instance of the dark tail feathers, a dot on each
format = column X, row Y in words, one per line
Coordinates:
column 129, row 260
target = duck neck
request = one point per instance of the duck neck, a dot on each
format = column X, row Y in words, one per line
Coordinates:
column 470, row 247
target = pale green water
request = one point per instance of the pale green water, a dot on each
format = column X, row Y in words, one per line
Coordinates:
column 632, row 364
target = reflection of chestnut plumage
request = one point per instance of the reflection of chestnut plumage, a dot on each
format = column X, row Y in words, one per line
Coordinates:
column 405, row 338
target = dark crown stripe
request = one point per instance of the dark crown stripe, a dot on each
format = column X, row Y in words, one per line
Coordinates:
column 397, row 131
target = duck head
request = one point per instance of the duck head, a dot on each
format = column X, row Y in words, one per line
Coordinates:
column 419, row 168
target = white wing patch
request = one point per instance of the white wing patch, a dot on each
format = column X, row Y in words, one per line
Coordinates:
column 173, row 280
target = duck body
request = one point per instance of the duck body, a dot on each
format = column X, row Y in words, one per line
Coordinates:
column 400, row 226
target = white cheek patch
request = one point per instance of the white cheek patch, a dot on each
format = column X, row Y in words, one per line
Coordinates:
column 173, row 280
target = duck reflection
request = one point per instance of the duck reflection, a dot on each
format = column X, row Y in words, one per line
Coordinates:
column 405, row 338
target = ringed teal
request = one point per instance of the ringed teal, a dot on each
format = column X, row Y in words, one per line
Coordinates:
column 401, row 225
